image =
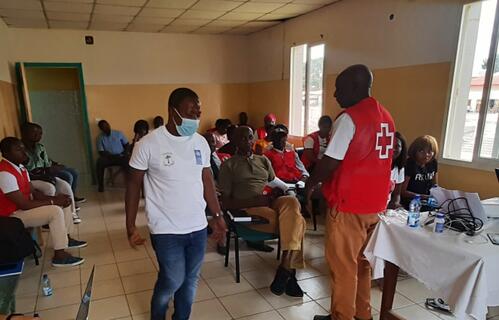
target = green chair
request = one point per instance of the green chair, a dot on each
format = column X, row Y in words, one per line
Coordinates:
column 241, row 230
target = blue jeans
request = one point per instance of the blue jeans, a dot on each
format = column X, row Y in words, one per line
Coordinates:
column 69, row 175
column 180, row 257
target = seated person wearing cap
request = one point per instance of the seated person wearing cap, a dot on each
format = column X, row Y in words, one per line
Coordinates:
column 242, row 181
column 285, row 162
column 20, row 200
column 268, row 122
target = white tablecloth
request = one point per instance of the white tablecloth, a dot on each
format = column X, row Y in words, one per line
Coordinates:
column 462, row 270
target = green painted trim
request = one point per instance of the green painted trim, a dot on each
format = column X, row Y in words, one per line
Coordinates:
column 86, row 126
column 22, row 104
column 52, row 65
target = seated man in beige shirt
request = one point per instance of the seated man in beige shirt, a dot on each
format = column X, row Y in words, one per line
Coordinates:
column 242, row 180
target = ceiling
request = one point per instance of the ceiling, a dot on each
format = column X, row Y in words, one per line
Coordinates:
column 170, row 16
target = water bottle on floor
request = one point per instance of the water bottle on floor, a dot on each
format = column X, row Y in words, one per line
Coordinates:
column 414, row 212
column 46, row 287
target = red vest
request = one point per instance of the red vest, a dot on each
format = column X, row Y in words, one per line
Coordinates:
column 261, row 133
column 284, row 164
column 7, row 207
column 361, row 183
column 316, row 149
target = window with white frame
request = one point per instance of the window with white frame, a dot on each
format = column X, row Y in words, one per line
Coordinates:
column 306, row 88
column 472, row 132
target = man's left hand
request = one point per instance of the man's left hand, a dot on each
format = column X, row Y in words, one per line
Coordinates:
column 219, row 228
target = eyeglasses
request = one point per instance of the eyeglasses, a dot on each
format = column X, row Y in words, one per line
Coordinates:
column 429, row 152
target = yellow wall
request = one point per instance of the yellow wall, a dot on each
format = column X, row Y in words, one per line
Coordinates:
column 9, row 125
column 122, row 105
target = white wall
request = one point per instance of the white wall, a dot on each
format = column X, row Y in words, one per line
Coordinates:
column 4, row 54
column 136, row 58
column 359, row 31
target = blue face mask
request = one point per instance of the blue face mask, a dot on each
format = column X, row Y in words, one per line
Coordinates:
column 188, row 126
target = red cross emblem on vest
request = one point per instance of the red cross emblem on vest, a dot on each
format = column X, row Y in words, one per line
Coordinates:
column 384, row 141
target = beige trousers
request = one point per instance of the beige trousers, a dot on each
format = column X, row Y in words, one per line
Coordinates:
column 61, row 187
column 284, row 218
column 60, row 222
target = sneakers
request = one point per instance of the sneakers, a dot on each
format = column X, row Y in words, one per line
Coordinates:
column 292, row 287
column 79, row 200
column 73, row 243
column 281, row 279
column 76, row 218
column 67, row 262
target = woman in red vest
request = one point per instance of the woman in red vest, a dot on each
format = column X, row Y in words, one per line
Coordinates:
column 315, row 144
column 18, row 199
column 355, row 171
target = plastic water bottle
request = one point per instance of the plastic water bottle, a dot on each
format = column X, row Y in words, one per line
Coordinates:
column 414, row 212
column 46, row 287
column 439, row 222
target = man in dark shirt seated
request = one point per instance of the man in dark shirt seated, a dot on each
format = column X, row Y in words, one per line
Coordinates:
column 242, row 180
column 113, row 147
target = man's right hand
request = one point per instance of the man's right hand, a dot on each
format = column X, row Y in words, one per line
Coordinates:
column 62, row 200
column 134, row 238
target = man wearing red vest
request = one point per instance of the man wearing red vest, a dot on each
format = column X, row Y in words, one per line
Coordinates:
column 315, row 144
column 355, row 170
column 286, row 163
column 19, row 200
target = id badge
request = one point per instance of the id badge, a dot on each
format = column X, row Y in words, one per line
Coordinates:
column 199, row 159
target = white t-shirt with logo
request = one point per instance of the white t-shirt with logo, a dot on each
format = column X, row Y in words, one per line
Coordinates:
column 173, row 185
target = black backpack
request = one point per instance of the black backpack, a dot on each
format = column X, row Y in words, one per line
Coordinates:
column 15, row 242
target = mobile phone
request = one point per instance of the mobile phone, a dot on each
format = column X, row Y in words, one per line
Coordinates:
column 494, row 238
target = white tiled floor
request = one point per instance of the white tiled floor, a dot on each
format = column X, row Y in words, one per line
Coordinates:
column 124, row 278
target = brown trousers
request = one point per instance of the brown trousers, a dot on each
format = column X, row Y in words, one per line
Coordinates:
column 284, row 218
column 346, row 238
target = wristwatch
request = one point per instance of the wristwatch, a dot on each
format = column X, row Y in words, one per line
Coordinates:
column 216, row 215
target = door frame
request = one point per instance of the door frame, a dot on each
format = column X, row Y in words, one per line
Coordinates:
column 61, row 65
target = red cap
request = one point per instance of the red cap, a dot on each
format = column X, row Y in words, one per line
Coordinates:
column 270, row 117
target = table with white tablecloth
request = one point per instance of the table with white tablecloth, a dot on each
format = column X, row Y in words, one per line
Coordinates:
column 462, row 270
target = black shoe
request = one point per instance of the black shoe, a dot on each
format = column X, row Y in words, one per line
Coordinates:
column 221, row 249
column 292, row 287
column 67, row 262
column 101, row 188
column 328, row 317
column 73, row 244
column 281, row 279
column 79, row 200
column 259, row 246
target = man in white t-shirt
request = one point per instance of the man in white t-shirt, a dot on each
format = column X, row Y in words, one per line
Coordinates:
column 173, row 162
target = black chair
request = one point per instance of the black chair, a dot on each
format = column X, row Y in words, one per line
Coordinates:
column 241, row 230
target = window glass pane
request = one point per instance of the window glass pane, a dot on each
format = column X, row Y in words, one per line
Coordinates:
column 297, row 90
column 490, row 139
column 315, row 87
column 469, row 72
